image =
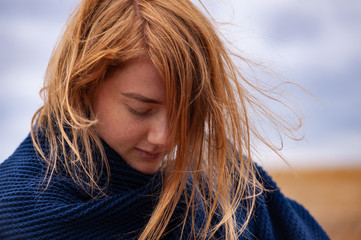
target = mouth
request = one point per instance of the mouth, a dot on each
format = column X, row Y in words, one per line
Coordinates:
column 148, row 155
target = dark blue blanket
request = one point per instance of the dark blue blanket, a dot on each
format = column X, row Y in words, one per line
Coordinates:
column 63, row 211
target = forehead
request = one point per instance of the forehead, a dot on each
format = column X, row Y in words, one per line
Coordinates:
column 137, row 76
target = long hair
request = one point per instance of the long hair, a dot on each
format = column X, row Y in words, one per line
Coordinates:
column 210, row 131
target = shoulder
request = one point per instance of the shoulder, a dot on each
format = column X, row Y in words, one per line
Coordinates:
column 22, row 164
column 22, row 178
column 278, row 217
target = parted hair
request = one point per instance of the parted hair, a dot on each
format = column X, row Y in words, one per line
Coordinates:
column 210, row 130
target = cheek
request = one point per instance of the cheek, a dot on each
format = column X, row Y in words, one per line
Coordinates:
column 129, row 131
column 121, row 128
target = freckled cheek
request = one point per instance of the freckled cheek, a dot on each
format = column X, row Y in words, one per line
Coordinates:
column 132, row 131
column 123, row 127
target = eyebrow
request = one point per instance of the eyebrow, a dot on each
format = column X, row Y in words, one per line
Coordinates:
column 141, row 98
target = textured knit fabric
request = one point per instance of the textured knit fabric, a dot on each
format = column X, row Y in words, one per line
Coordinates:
column 63, row 211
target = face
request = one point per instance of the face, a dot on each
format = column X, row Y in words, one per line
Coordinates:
column 131, row 109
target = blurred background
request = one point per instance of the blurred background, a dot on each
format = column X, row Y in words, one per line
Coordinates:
column 315, row 44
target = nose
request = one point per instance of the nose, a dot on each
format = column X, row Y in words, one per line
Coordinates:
column 158, row 131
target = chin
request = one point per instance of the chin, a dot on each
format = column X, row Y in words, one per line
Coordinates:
column 147, row 167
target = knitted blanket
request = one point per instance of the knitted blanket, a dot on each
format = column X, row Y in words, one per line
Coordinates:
column 63, row 211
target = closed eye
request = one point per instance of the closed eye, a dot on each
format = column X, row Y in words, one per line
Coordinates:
column 139, row 113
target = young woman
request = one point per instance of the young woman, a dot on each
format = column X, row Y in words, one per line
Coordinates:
column 145, row 133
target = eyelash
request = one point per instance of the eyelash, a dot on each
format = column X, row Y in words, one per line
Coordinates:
column 139, row 114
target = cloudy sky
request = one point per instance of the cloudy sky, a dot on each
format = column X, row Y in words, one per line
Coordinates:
column 315, row 44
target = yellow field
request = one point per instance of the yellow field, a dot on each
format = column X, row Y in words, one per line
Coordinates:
column 332, row 196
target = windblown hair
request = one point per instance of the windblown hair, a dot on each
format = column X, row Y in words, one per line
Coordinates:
column 210, row 131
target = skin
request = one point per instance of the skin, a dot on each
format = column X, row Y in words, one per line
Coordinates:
column 131, row 110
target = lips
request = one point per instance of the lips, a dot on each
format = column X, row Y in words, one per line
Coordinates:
column 148, row 155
